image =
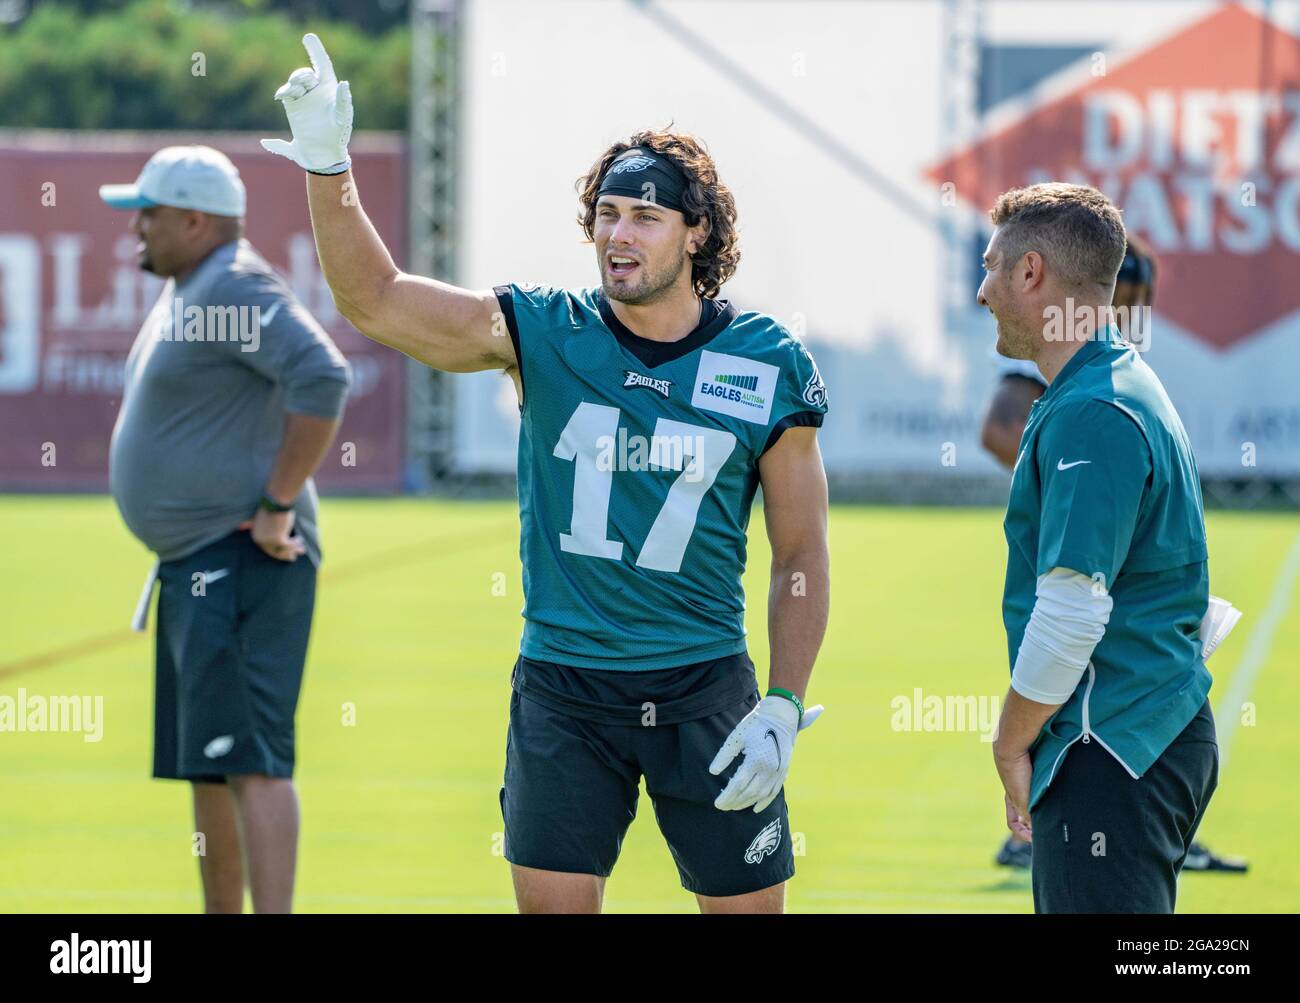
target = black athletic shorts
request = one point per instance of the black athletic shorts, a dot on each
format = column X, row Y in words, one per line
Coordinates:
column 1106, row 843
column 578, row 744
column 232, row 628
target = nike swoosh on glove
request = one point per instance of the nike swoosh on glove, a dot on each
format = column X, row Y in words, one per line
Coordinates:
column 319, row 109
column 766, row 738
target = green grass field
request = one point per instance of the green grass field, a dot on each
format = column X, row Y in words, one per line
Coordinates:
column 400, row 811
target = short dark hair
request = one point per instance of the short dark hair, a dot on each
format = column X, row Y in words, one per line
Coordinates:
column 1077, row 230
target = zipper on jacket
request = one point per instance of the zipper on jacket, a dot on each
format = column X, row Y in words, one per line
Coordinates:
column 1092, row 678
column 1089, row 734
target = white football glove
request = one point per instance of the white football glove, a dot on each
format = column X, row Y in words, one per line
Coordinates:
column 766, row 737
column 319, row 108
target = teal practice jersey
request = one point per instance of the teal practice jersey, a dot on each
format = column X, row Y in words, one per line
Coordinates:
column 638, row 463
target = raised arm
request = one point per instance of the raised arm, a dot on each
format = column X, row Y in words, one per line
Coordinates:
column 443, row 326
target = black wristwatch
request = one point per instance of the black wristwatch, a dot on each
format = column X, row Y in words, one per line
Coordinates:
column 269, row 504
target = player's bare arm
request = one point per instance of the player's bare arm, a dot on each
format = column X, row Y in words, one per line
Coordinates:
column 794, row 508
column 441, row 325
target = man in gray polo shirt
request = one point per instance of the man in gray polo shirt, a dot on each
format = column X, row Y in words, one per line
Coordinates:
column 233, row 394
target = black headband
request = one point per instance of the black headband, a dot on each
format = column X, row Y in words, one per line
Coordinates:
column 646, row 175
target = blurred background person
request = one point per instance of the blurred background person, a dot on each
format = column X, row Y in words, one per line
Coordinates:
column 233, row 394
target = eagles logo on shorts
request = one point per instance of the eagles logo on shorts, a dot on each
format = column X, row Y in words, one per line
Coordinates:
column 766, row 842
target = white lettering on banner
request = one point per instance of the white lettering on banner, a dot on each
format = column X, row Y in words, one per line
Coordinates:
column 66, row 251
column 1195, row 148
column 129, row 296
column 20, row 326
column 1149, row 209
column 130, row 292
column 1195, row 128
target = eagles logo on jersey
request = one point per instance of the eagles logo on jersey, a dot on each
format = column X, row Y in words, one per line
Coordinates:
column 634, row 504
column 814, row 394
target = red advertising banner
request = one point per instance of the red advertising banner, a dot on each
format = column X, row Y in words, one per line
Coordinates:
column 72, row 299
column 1197, row 138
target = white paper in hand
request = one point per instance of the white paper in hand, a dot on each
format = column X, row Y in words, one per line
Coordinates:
column 1217, row 624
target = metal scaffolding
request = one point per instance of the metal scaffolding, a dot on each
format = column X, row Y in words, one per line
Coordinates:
column 962, row 41
column 434, row 137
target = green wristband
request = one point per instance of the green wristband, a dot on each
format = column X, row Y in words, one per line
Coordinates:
column 269, row 504
column 776, row 691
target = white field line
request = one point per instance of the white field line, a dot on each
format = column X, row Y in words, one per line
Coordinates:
column 1228, row 714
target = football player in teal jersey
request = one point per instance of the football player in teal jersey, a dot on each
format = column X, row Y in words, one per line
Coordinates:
column 651, row 412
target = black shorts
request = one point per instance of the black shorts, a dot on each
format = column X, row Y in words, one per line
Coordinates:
column 571, row 791
column 232, row 633
column 1106, row 843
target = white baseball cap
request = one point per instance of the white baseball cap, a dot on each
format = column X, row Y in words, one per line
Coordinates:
column 187, row 177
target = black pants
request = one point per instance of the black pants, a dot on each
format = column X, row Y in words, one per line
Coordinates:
column 1106, row 843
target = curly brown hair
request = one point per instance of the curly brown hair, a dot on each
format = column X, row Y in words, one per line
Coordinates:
column 705, row 197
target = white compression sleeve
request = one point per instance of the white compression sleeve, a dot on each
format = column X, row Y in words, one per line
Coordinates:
column 1068, row 619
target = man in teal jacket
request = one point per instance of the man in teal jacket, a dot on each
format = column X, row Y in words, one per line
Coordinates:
column 1106, row 735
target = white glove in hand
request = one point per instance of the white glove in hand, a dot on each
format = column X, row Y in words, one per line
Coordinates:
column 319, row 108
column 766, row 737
